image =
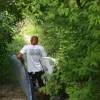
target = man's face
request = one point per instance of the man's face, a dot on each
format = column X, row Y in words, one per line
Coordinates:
column 34, row 40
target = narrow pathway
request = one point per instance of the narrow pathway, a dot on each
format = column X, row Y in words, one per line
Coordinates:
column 11, row 92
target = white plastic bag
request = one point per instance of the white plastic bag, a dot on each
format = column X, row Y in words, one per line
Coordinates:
column 48, row 64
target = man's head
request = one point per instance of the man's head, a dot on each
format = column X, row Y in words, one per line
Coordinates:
column 34, row 40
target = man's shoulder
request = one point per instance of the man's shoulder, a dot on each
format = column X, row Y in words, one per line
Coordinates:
column 40, row 46
column 31, row 46
column 27, row 46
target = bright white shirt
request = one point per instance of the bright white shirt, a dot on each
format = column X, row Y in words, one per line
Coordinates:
column 33, row 54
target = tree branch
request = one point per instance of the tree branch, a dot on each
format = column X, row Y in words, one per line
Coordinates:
column 84, row 3
column 78, row 3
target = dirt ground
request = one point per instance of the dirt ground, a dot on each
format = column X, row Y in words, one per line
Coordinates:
column 11, row 92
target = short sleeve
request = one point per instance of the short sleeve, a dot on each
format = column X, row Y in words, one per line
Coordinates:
column 23, row 50
column 44, row 53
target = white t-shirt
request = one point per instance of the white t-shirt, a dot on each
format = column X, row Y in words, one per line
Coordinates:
column 33, row 55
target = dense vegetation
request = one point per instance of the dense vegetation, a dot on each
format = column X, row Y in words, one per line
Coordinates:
column 70, row 31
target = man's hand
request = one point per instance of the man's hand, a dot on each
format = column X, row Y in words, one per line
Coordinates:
column 20, row 57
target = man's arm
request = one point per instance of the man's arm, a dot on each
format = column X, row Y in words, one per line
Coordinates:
column 45, row 62
column 43, row 51
column 21, row 53
column 20, row 57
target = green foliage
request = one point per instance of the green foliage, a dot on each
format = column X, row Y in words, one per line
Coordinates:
column 72, row 36
column 6, row 32
column 9, row 16
column 70, row 31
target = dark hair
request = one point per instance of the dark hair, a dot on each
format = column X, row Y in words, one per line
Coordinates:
column 36, row 39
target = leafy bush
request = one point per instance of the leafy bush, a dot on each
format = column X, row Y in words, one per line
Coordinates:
column 71, row 34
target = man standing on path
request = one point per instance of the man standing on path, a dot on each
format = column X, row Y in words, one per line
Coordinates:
column 33, row 54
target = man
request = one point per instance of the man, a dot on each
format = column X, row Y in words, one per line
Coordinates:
column 33, row 54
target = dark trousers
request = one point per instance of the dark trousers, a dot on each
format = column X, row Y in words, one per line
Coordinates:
column 37, row 76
